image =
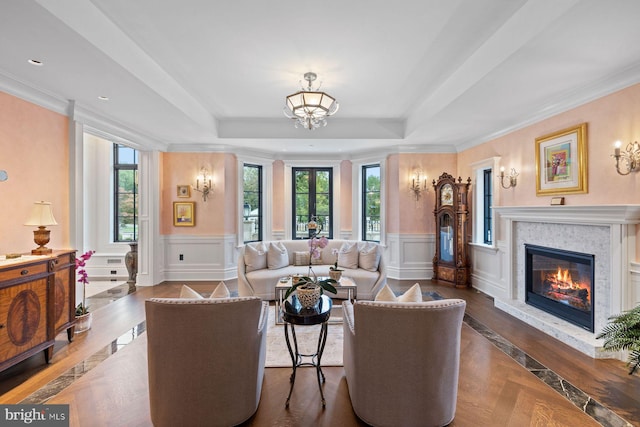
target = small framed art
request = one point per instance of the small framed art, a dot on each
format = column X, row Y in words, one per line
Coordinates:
column 561, row 162
column 184, row 191
column 184, row 214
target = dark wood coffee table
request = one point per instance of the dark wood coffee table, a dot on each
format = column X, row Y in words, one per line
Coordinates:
column 294, row 314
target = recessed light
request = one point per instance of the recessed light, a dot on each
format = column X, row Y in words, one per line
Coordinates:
column 103, row 98
column 35, row 62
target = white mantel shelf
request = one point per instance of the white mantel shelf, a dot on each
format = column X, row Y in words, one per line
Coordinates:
column 597, row 214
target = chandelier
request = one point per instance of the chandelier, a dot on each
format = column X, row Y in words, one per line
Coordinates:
column 308, row 107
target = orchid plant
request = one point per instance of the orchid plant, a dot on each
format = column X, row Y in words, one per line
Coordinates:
column 83, row 278
column 316, row 244
column 334, row 267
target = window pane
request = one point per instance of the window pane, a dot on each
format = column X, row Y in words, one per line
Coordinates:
column 252, row 205
column 371, row 202
column 312, row 199
column 125, row 215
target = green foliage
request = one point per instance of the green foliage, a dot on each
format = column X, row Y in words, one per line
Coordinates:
column 623, row 333
column 81, row 309
column 325, row 285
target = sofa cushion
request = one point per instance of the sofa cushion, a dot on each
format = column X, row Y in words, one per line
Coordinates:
column 221, row 291
column 348, row 255
column 385, row 294
column 277, row 256
column 255, row 256
column 187, row 292
column 301, row 258
column 369, row 256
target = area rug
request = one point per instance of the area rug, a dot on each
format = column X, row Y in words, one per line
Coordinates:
column 278, row 354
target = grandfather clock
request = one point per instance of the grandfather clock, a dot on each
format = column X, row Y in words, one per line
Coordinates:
column 451, row 260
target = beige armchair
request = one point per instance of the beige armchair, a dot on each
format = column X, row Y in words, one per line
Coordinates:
column 205, row 359
column 401, row 361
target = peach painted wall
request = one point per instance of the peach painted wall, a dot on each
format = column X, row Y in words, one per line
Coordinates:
column 278, row 197
column 346, row 190
column 216, row 216
column 613, row 117
column 34, row 150
column 405, row 215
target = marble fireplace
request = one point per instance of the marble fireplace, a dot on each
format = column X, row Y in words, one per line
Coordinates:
column 605, row 233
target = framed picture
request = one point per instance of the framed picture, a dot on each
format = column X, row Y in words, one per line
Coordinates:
column 184, row 214
column 561, row 162
column 184, row 191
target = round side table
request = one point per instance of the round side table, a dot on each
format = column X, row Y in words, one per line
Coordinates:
column 294, row 314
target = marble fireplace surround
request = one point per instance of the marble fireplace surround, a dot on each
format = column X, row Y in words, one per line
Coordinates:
column 606, row 231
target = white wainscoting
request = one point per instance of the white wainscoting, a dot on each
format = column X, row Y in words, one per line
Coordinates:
column 634, row 288
column 488, row 269
column 103, row 266
column 204, row 257
column 410, row 256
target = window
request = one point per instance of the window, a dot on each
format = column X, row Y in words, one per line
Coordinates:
column 125, row 168
column 487, row 200
column 371, row 202
column 312, row 199
column 252, row 206
column 483, row 201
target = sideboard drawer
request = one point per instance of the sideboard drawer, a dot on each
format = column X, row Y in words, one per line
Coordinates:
column 23, row 271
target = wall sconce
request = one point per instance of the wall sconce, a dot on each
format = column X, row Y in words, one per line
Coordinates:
column 631, row 157
column 418, row 183
column 513, row 178
column 41, row 216
column 206, row 183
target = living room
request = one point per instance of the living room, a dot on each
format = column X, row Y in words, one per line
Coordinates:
column 55, row 150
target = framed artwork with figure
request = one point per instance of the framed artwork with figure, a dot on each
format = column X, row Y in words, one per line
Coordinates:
column 561, row 162
column 184, row 214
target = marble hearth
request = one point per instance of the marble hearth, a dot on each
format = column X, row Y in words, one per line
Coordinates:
column 607, row 232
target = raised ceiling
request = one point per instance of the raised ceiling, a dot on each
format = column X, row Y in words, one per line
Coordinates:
column 423, row 75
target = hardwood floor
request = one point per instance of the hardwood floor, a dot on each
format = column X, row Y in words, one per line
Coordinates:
column 494, row 389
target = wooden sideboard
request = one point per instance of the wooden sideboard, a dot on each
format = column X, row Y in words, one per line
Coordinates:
column 37, row 302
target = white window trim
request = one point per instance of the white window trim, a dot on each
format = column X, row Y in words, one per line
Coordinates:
column 267, row 197
column 288, row 171
column 357, row 196
column 478, row 201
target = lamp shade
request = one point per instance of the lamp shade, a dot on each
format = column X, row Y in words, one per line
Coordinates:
column 41, row 215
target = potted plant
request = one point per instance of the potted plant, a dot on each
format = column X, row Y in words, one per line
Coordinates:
column 309, row 288
column 623, row 333
column 83, row 316
column 334, row 272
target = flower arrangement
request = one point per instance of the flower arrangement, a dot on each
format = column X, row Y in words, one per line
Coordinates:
column 83, row 278
column 308, row 282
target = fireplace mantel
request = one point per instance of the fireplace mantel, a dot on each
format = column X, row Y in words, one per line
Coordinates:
column 607, row 231
column 598, row 214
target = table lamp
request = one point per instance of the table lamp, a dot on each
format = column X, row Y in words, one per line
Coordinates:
column 41, row 216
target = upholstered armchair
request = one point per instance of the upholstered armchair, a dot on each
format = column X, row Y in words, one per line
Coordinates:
column 205, row 359
column 401, row 361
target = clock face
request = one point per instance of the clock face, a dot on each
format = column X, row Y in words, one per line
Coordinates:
column 446, row 195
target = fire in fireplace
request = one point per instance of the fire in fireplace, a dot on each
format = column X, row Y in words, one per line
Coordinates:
column 560, row 282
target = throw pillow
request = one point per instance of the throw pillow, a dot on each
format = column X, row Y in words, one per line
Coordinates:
column 187, row 292
column 220, row 292
column 255, row 257
column 369, row 257
column 348, row 255
column 385, row 294
column 413, row 294
column 277, row 256
column 301, row 258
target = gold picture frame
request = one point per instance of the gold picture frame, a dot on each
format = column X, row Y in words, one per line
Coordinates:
column 184, row 191
column 561, row 162
column 184, row 214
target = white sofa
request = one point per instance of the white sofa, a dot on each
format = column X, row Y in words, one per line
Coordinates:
column 255, row 278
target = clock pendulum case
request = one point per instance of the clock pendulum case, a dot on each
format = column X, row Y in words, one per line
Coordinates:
column 451, row 260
